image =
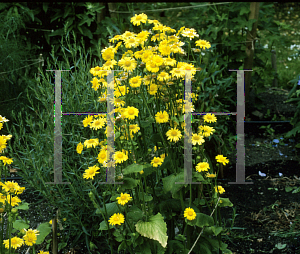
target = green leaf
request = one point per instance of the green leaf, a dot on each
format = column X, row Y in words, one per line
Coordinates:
column 133, row 168
column 296, row 190
column 45, row 7
column 204, row 220
column 146, row 197
column 23, row 206
column 129, row 183
column 152, row 99
column 174, row 118
column 57, row 32
column 20, row 224
column 44, row 230
column 84, row 230
column 155, row 229
column 244, row 10
column 111, row 209
column 87, row 32
column 134, row 213
column 216, row 230
column 225, row 202
column 103, row 226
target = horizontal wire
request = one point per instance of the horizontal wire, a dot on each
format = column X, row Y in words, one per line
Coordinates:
column 175, row 8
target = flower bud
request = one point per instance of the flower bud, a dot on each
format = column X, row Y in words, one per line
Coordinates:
column 1, row 210
column 205, row 160
column 91, row 194
column 194, row 148
column 180, row 84
column 14, row 210
column 198, row 88
column 149, row 150
column 198, row 157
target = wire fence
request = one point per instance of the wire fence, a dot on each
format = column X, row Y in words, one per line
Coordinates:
column 174, row 8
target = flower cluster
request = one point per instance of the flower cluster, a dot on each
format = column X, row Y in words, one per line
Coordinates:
column 8, row 201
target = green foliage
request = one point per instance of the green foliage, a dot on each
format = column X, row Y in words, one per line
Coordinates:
column 294, row 98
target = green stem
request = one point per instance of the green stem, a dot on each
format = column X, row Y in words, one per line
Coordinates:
column 143, row 194
column 163, row 140
column 9, row 223
column 190, row 195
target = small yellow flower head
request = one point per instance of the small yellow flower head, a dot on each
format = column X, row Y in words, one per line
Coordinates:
column 137, row 19
column 157, row 161
column 79, row 148
column 202, row 166
column 116, row 219
column 189, row 213
column 203, row 44
column 124, row 198
column 210, row 175
column 6, row 160
column 210, row 118
column 222, row 159
column 162, row 117
column 30, row 237
column 16, row 242
column 174, row 135
column 91, row 172
column 219, row 189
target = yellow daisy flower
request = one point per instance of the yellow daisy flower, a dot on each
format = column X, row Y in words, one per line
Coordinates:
column 91, row 143
column 13, row 201
column 6, row 160
column 156, row 162
column 174, row 135
column 210, row 175
column 202, row 166
column 131, row 42
column 2, row 143
column 219, row 189
column 133, row 128
column 131, row 113
column 162, row 117
column 102, row 156
column 87, row 121
column 116, row 219
column 124, row 199
column 91, row 172
column 197, row 139
column 127, row 64
column 210, row 118
column 152, row 67
column 30, row 237
column 79, row 148
column 135, row 81
column 203, row 44
column 97, row 124
column 121, row 156
column 189, row 213
column 137, row 19
column 16, row 242
column 163, row 76
column 3, row 119
column 152, row 89
column 222, row 159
